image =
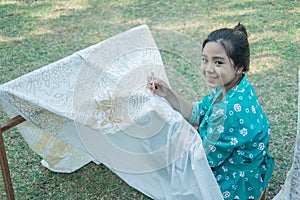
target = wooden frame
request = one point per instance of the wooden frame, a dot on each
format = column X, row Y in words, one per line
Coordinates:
column 3, row 158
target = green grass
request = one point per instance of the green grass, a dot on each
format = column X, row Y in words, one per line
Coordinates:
column 36, row 33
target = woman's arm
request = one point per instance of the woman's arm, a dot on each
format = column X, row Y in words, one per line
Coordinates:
column 160, row 88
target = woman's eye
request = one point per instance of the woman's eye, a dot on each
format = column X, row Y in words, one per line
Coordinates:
column 204, row 60
column 218, row 63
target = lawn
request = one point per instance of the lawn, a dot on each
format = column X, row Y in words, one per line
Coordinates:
column 36, row 33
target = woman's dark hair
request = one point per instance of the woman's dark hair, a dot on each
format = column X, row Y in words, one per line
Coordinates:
column 235, row 43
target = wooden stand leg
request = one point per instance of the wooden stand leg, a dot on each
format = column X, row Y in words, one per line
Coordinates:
column 5, row 170
column 263, row 196
column 3, row 158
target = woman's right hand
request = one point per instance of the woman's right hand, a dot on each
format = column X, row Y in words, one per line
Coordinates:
column 158, row 86
column 161, row 88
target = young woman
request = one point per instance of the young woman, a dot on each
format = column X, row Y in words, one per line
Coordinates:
column 234, row 129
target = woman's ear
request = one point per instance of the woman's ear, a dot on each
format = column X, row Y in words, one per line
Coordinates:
column 239, row 69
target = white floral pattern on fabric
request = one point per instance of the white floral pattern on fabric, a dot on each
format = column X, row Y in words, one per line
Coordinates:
column 239, row 144
column 237, row 107
column 244, row 132
column 234, row 141
column 220, row 129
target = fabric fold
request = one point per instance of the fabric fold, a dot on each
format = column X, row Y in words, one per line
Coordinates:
column 94, row 106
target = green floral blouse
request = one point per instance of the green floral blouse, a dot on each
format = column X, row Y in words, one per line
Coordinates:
column 235, row 133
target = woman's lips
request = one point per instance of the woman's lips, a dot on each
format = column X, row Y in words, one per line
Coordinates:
column 211, row 78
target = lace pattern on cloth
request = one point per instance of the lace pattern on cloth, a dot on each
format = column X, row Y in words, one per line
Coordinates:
column 94, row 106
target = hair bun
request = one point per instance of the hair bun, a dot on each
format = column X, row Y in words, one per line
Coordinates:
column 242, row 28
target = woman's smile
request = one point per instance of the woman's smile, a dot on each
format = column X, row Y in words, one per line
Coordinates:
column 211, row 79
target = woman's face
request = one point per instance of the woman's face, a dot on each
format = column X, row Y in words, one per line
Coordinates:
column 216, row 66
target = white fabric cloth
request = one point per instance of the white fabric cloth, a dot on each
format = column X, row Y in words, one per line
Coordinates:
column 94, row 106
column 291, row 187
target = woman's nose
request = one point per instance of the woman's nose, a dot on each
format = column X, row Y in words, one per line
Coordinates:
column 209, row 68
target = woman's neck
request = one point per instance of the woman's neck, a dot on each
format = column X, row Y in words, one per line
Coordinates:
column 235, row 81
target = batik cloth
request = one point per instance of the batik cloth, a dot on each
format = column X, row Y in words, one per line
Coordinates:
column 94, row 106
